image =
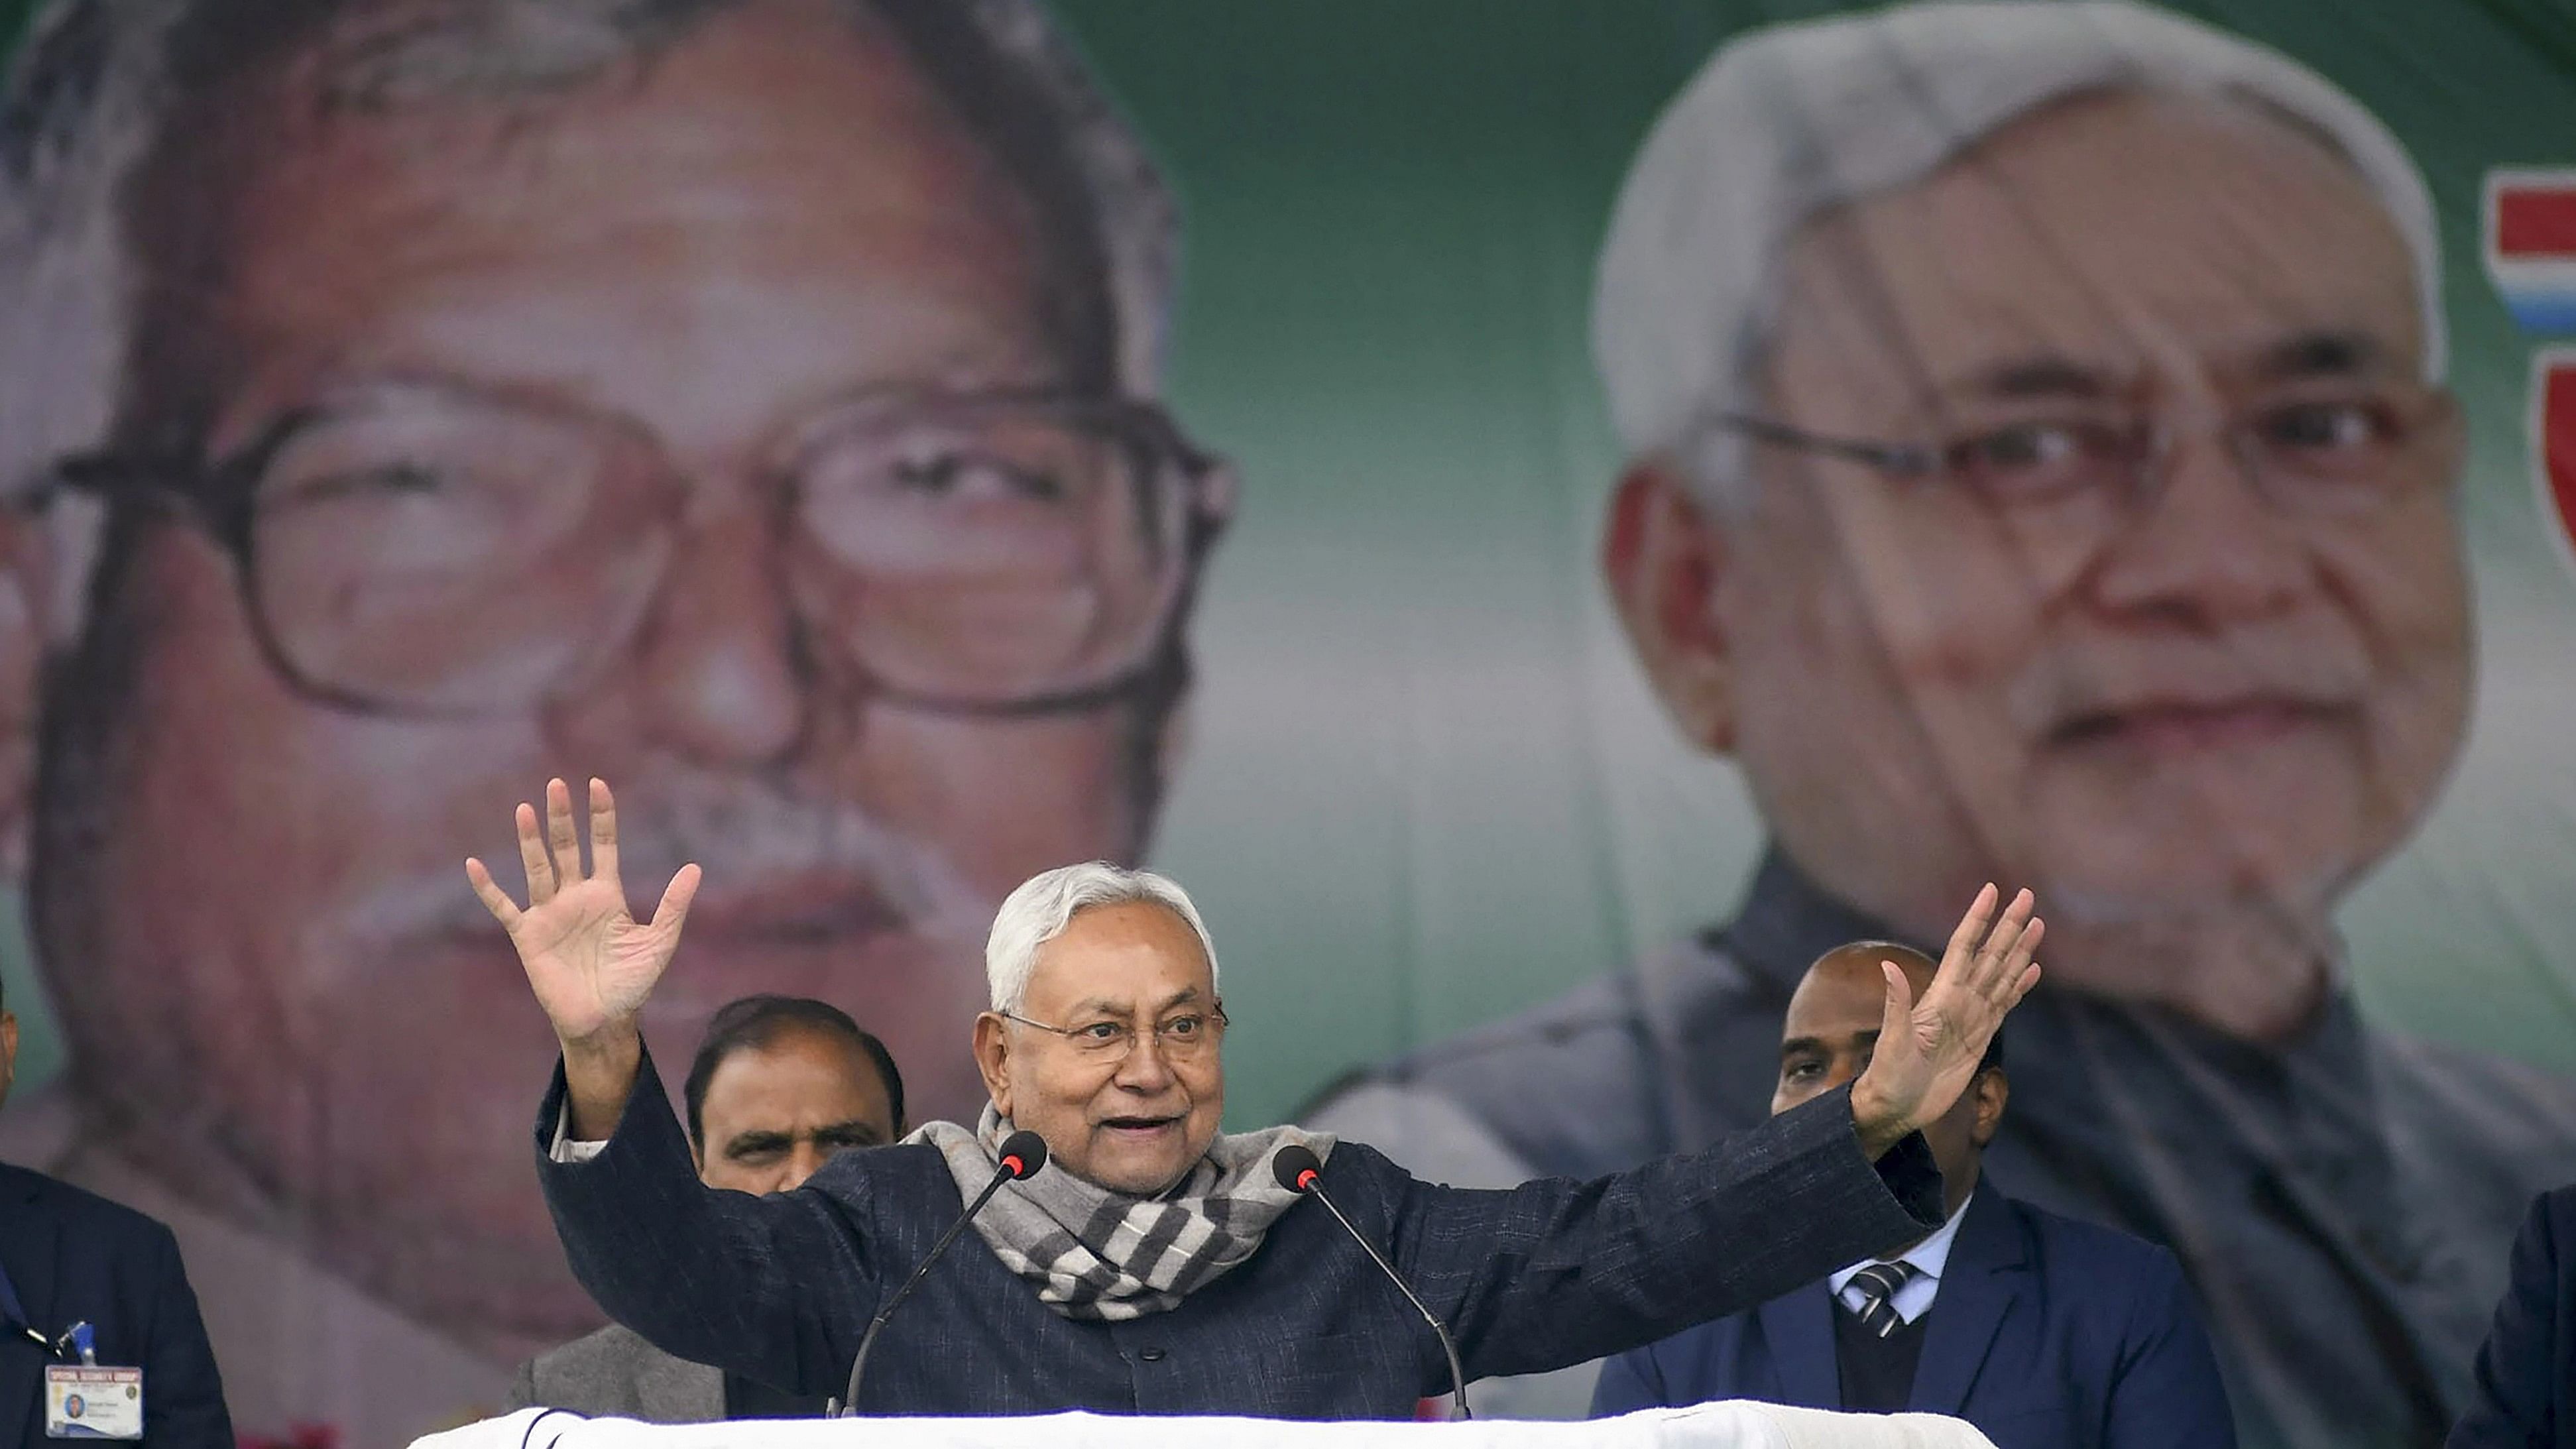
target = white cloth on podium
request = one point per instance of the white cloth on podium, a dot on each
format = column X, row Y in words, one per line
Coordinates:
column 1734, row 1424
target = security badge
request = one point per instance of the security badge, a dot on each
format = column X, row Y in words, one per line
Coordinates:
column 83, row 1400
column 86, row 1400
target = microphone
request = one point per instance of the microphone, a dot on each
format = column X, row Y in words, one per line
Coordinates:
column 1301, row 1172
column 1022, row 1154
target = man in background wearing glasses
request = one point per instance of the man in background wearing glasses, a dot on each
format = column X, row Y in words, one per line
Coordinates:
column 757, row 396
column 2041, row 469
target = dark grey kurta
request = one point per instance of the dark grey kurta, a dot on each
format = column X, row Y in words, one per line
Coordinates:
column 779, row 1288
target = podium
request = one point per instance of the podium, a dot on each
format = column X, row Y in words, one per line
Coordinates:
column 1735, row 1424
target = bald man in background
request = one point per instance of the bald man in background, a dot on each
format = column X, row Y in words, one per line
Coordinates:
column 2040, row 467
column 2042, row 1331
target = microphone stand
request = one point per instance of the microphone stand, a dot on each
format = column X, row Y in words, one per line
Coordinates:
column 1022, row 1153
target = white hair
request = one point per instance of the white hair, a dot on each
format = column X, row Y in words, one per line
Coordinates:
column 1790, row 120
column 1046, row 903
column 88, row 92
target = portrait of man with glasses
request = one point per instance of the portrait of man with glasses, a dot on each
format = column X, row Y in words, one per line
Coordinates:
column 2041, row 469
column 754, row 399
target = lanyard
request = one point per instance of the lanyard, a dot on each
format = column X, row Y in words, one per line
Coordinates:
column 13, row 1316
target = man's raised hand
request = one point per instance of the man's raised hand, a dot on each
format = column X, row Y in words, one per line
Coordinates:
column 1928, row 1050
column 590, row 962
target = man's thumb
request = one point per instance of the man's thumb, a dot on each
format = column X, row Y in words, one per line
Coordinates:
column 1898, row 1014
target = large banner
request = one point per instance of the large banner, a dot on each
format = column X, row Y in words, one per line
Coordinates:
column 1544, row 516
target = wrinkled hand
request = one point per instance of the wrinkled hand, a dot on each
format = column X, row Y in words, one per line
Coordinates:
column 590, row 962
column 1928, row 1050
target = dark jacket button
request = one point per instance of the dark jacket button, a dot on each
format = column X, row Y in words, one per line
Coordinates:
column 1152, row 1355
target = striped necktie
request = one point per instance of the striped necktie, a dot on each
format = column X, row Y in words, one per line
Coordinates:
column 1878, row 1284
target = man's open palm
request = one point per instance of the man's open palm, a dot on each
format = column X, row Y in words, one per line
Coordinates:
column 590, row 962
column 1928, row 1050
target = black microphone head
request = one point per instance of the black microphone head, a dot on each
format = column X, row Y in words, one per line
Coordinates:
column 1297, row 1167
column 1023, row 1153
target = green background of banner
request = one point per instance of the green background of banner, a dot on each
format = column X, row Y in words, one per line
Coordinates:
column 1425, row 786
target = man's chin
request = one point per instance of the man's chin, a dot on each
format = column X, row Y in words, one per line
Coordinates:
column 1134, row 1174
column 2210, row 847
column 502, row 1292
column 2248, row 962
column 2212, row 895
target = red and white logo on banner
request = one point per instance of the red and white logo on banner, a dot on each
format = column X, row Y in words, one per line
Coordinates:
column 2530, row 228
column 2553, row 441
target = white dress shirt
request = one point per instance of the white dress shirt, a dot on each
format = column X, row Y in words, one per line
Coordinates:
column 1928, row 1258
column 568, row 1148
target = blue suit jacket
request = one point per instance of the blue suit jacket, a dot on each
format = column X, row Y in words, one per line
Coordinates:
column 74, row 1255
column 2526, row 1375
column 779, row 1288
column 2047, row 1333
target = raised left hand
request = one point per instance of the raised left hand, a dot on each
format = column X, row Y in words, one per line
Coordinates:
column 1928, row 1050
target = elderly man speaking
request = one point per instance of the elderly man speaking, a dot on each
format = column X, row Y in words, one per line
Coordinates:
column 1154, row 1266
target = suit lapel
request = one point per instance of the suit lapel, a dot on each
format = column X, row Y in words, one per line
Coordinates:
column 1978, row 1285
column 27, row 1241
column 1799, row 1329
column 675, row 1391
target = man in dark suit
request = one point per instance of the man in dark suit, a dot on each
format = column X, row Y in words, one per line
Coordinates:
column 66, row 1257
column 2049, row 1333
column 780, row 1084
column 1157, row 1265
column 2526, row 1372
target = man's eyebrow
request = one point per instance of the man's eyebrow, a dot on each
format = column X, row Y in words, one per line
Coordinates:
column 1819, row 1046
column 1101, row 1005
column 2325, row 352
column 744, row 1142
column 2314, row 352
column 857, row 1129
column 2041, row 375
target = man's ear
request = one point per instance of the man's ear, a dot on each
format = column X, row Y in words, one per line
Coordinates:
column 993, row 1059
column 1173, row 737
column 1213, row 512
column 1994, row 1092
column 2454, row 436
column 1662, row 557
column 26, row 598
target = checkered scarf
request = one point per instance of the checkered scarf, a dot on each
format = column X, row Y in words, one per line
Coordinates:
column 1096, row 1254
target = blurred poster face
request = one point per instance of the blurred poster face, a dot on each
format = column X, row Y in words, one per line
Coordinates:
column 703, row 397
column 2057, row 492
column 2179, row 634
column 755, row 403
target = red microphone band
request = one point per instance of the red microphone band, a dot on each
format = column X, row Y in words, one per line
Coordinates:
column 1306, row 1180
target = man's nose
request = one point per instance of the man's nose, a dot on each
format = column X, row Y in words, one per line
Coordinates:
column 802, row 1162
column 1144, row 1068
column 2203, row 547
column 722, row 675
